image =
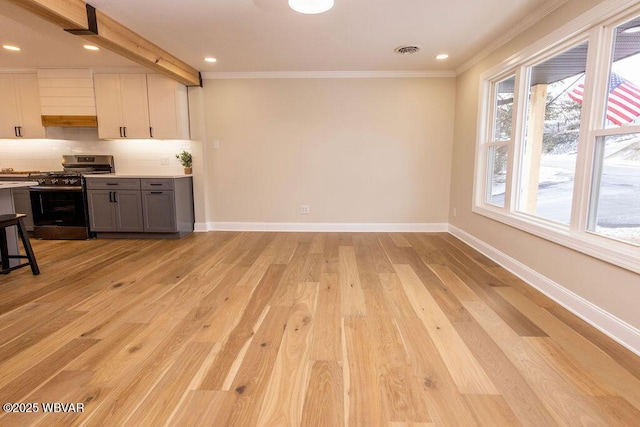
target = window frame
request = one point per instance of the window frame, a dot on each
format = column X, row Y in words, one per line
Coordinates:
column 576, row 234
column 489, row 142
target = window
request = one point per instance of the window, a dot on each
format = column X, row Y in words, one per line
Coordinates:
column 501, row 135
column 614, row 210
column 559, row 143
column 552, row 125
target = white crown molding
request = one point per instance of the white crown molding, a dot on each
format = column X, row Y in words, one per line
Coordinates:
column 516, row 30
column 324, row 227
column 603, row 11
column 617, row 329
column 329, row 74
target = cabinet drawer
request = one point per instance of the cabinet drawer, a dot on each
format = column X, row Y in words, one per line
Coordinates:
column 113, row 184
column 157, row 184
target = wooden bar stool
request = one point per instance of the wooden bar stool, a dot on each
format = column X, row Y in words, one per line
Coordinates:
column 10, row 220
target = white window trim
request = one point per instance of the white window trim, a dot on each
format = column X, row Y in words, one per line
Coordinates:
column 575, row 235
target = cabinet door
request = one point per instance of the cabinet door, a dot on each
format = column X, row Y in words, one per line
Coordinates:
column 159, row 211
column 29, row 110
column 135, row 105
column 129, row 211
column 8, row 107
column 102, row 210
column 108, row 105
column 168, row 108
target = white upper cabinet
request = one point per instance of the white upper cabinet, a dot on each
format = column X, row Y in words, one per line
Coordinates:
column 141, row 106
column 168, row 108
column 122, row 105
column 20, row 115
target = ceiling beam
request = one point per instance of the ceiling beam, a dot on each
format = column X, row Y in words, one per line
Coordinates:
column 70, row 14
column 77, row 17
column 116, row 37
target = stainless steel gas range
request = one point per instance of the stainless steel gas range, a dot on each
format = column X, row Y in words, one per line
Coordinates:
column 59, row 201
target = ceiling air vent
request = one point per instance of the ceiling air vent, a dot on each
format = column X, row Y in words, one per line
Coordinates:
column 407, row 50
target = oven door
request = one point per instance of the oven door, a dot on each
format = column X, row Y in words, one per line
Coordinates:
column 59, row 212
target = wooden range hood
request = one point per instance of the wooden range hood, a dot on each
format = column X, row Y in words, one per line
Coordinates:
column 70, row 121
column 67, row 97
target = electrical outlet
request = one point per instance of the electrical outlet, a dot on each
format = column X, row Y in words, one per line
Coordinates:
column 455, row 212
column 216, row 145
column 304, row 209
column 164, row 161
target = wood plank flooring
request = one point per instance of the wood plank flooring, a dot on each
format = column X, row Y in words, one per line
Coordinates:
column 299, row 329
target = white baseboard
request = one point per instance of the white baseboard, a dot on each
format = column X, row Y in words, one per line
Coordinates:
column 617, row 329
column 200, row 227
column 324, row 227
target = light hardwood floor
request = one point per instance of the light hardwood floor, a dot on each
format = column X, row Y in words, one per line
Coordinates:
column 313, row 329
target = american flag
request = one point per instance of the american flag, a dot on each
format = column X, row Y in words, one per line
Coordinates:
column 623, row 105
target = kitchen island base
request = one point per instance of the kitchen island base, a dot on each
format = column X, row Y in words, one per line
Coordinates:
column 7, row 206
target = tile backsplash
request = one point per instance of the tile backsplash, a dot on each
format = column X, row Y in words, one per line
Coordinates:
column 131, row 156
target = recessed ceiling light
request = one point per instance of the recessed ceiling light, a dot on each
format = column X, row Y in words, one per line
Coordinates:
column 632, row 30
column 210, row 59
column 442, row 57
column 91, row 47
column 311, row 7
column 12, row 48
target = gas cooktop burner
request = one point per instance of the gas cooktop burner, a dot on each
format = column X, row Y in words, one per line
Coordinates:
column 62, row 174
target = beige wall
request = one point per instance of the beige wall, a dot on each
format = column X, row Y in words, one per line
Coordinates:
column 613, row 289
column 354, row 150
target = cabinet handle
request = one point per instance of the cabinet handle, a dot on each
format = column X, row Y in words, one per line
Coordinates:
column 151, row 131
column 156, row 192
column 110, row 197
column 125, row 131
column 20, row 131
column 15, row 131
column 112, row 183
column 115, row 198
column 154, row 184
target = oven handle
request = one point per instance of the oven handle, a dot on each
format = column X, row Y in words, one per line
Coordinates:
column 45, row 188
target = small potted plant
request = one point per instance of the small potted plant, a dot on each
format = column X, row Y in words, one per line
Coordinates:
column 186, row 160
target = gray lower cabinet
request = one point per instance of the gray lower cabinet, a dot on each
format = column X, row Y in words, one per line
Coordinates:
column 161, row 207
column 159, row 211
column 115, row 211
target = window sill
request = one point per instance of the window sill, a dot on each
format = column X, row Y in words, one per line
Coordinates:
column 625, row 255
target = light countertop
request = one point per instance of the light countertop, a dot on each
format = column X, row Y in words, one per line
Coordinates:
column 14, row 175
column 119, row 175
column 16, row 184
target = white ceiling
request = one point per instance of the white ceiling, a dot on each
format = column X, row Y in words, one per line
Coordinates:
column 265, row 35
